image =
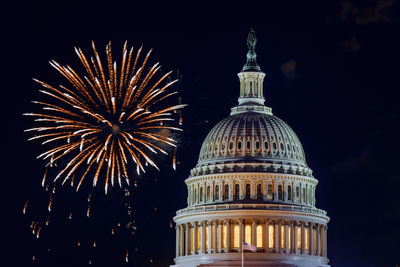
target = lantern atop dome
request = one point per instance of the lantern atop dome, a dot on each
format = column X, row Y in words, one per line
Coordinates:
column 251, row 78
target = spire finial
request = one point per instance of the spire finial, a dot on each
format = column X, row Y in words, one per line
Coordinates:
column 251, row 64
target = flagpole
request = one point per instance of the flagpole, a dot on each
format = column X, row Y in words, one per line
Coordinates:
column 242, row 255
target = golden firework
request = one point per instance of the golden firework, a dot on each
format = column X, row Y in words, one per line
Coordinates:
column 110, row 116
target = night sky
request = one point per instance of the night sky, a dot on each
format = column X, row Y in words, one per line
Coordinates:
column 332, row 73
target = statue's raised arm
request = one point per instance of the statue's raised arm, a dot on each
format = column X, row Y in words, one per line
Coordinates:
column 251, row 39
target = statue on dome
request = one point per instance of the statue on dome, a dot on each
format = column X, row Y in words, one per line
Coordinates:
column 251, row 64
column 251, row 39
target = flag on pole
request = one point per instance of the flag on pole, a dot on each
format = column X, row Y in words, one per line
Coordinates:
column 249, row 247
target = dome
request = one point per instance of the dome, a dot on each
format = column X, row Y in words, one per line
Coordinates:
column 251, row 186
column 252, row 137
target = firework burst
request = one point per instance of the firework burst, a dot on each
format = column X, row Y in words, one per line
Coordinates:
column 102, row 121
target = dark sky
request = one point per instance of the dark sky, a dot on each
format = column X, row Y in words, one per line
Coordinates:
column 332, row 73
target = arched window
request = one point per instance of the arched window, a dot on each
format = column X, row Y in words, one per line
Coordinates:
column 236, row 191
column 230, row 145
column 266, row 145
column 304, row 195
column 299, row 238
column 259, row 235
column 192, row 238
column 206, row 239
column 247, row 191
column 269, row 194
column 247, row 234
column 289, row 190
column 216, row 197
column 280, row 192
column 239, row 145
column 283, row 236
column 297, row 194
column 195, row 196
column 226, row 196
column 201, row 194
column 257, row 145
column 248, row 144
column 259, row 192
column 306, row 236
column 274, row 146
column 198, row 238
column 208, row 193
column 236, row 236
column 271, row 229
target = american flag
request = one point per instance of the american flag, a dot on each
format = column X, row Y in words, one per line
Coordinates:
column 249, row 247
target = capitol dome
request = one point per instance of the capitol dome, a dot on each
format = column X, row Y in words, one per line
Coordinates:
column 251, row 190
column 251, row 137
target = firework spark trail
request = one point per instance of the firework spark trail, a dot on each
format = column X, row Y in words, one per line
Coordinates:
column 104, row 118
column 25, row 207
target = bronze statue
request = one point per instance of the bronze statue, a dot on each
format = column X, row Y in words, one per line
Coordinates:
column 251, row 64
column 251, row 40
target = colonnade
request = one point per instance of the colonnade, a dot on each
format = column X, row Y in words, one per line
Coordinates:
column 286, row 191
column 272, row 236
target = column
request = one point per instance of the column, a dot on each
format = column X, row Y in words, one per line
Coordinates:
column 209, row 225
column 241, row 233
column 203, row 238
column 322, row 240
column 212, row 185
column 265, row 189
column 182, row 243
column 254, row 233
column 277, row 235
column 318, row 245
column 219, row 236
column 215, row 239
column 177, row 241
column 303, row 239
column 311, row 239
column 292, row 239
column 266, row 236
column 325, row 254
column 198, row 193
column 295, row 237
column 287, row 239
column 228, row 236
column 187, row 241
column 195, row 238
column 189, row 195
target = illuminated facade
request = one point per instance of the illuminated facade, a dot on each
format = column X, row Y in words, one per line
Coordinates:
column 252, row 184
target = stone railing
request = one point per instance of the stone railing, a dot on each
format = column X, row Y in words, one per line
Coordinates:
column 204, row 208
